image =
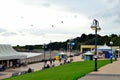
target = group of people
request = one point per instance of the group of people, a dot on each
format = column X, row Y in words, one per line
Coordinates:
column 52, row 62
column 46, row 65
column 3, row 67
column 30, row 70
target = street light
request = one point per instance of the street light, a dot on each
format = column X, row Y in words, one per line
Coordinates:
column 111, row 43
column 50, row 54
column 44, row 47
column 95, row 26
column 69, row 47
column 71, row 44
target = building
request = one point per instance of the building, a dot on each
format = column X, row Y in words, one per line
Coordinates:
column 85, row 48
column 103, row 51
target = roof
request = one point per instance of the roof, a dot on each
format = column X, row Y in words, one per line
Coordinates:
column 30, row 54
column 62, row 53
column 118, row 49
column 7, row 52
column 88, row 53
column 104, row 47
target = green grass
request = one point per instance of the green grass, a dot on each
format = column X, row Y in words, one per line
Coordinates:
column 71, row 71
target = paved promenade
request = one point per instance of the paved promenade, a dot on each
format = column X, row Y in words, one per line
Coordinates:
column 108, row 72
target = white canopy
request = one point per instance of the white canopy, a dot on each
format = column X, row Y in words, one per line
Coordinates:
column 118, row 49
column 7, row 52
column 104, row 47
column 29, row 54
column 62, row 53
column 88, row 53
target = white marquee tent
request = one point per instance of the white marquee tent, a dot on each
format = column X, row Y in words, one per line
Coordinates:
column 88, row 53
column 105, row 48
column 7, row 53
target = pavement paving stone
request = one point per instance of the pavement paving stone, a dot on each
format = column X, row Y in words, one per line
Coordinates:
column 101, row 77
column 108, row 72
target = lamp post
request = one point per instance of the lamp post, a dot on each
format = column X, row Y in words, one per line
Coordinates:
column 50, row 54
column 111, row 43
column 71, row 44
column 69, row 47
column 44, row 47
column 95, row 26
column 116, row 55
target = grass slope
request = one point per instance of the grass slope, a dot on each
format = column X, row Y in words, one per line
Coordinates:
column 71, row 71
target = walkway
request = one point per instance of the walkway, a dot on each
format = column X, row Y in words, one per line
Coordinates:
column 108, row 72
column 36, row 67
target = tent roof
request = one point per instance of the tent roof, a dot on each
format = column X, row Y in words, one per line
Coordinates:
column 7, row 52
column 29, row 54
column 118, row 49
column 88, row 53
column 62, row 53
column 104, row 47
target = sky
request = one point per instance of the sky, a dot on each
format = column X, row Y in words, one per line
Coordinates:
column 34, row 22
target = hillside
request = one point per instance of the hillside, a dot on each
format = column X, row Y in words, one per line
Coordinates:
column 83, row 39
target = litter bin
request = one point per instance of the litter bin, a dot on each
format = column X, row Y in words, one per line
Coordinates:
column 88, row 57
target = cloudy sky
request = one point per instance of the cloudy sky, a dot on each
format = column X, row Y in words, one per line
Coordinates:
column 26, row 22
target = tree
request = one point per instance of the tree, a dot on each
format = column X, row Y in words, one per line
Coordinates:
column 29, row 47
column 84, row 39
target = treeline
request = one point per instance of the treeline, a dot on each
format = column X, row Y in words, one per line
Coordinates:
column 83, row 39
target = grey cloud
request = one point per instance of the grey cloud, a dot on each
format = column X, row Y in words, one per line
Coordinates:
column 117, row 11
column 43, row 32
column 21, row 33
column 9, row 34
column 36, row 3
column 110, row 1
column 36, row 32
column 46, row 5
column 117, row 19
column 111, row 12
column 2, row 30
